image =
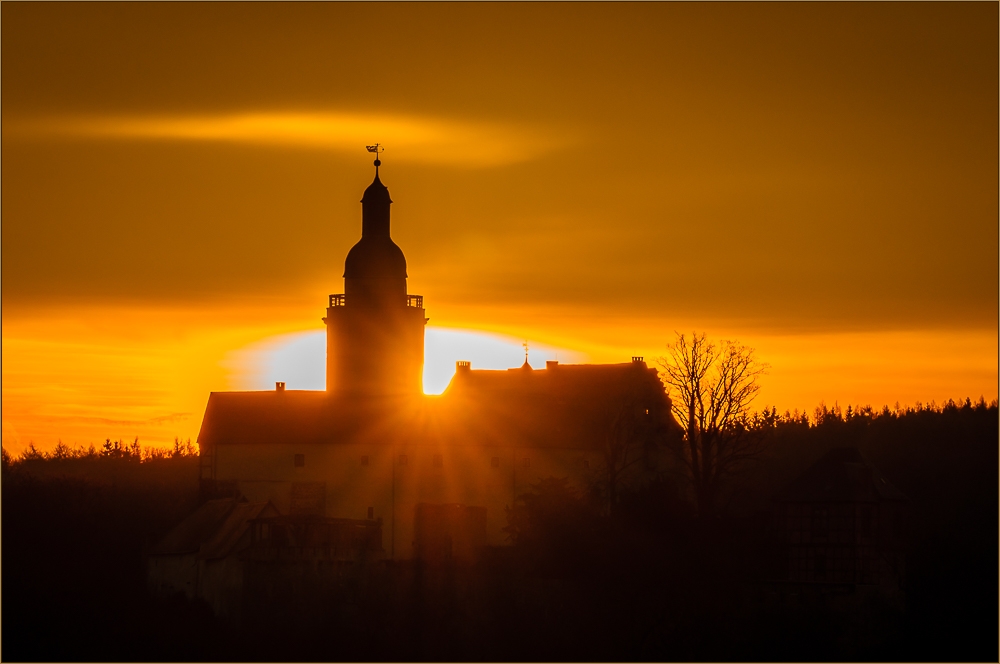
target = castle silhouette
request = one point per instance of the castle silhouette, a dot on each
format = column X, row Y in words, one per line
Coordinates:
column 418, row 476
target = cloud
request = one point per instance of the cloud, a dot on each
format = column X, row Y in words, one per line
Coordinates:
column 409, row 138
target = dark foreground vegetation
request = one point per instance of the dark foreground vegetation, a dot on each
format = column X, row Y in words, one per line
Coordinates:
column 647, row 581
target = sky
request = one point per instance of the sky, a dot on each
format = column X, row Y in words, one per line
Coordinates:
column 181, row 184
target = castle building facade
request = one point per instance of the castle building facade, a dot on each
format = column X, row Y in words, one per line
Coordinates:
column 437, row 472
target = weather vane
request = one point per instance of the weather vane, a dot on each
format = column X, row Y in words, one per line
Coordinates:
column 376, row 149
column 525, row 344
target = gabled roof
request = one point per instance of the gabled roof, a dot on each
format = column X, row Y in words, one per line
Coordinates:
column 212, row 530
column 233, row 528
column 562, row 406
column 187, row 536
column 272, row 416
column 841, row 475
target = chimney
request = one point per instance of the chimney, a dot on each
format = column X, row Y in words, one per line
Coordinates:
column 551, row 364
column 279, row 386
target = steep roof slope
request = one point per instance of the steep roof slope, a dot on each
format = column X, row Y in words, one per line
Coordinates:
column 188, row 535
column 213, row 530
column 233, row 530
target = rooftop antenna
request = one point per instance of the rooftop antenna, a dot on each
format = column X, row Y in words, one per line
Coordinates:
column 376, row 149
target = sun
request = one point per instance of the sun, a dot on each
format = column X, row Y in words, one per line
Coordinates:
column 297, row 359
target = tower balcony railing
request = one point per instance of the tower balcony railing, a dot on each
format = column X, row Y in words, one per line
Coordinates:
column 340, row 300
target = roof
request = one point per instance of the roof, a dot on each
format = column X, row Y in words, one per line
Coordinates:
column 233, row 528
column 212, row 530
column 375, row 257
column 376, row 192
column 568, row 406
column 841, row 475
column 561, row 406
column 300, row 416
column 187, row 536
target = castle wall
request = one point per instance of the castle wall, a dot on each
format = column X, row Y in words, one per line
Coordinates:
column 393, row 486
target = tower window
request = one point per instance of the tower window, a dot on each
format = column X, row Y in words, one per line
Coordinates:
column 438, row 461
column 364, row 461
column 526, row 462
column 402, row 459
column 371, row 512
column 586, row 463
column 300, row 460
column 495, row 462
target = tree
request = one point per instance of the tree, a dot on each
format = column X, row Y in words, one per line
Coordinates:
column 711, row 388
column 6, row 461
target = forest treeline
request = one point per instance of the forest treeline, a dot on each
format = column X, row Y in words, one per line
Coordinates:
column 649, row 580
column 110, row 449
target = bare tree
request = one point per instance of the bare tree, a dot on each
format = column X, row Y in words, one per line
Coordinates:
column 711, row 388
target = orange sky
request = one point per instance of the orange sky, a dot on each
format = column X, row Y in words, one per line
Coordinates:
column 180, row 183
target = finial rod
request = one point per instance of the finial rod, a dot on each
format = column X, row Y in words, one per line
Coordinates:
column 376, row 149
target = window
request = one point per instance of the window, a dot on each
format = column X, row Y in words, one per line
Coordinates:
column 495, row 462
column 438, row 461
column 364, row 461
column 526, row 462
column 586, row 464
column 371, row 512
column 402, row 459
column 300, row 460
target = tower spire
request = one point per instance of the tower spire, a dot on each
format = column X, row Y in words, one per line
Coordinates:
column 375, row 203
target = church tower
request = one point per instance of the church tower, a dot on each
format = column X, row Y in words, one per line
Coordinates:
column 374, row 329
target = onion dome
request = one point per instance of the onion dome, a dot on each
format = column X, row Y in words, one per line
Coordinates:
column 375, row 258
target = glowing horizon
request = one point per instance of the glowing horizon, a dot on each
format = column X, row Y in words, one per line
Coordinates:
column 298, row 358
column 132, row 379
